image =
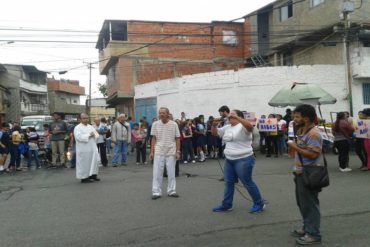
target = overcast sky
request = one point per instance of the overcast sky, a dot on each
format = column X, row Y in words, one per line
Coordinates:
column 81, row 15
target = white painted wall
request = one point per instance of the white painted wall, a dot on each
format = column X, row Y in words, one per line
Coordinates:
column 247, row 89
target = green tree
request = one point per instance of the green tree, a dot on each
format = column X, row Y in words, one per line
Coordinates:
column 103, row 89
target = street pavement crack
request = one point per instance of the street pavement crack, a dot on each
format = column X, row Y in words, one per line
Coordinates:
column 8, row 192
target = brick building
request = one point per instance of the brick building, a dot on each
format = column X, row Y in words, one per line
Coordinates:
column 64, row 97
column 137, row 52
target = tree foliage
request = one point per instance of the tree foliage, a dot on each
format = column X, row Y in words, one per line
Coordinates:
column 103, row 89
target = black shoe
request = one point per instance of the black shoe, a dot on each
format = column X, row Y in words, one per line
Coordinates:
column 123, row 164
column 86, row 180
column 155, row 197
column 94, row 178
column 221, row 179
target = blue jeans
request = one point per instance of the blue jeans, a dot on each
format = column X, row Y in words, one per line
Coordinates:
column 242, row 169
column 108, row 143
column 282, row 145
column 33, row 154
column 120, row 147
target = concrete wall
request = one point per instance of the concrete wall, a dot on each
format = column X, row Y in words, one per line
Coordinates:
column 246, row 89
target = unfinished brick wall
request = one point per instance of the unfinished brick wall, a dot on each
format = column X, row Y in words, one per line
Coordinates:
column 184, row 49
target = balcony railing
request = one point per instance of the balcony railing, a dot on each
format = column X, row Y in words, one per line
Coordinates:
column 34, row 108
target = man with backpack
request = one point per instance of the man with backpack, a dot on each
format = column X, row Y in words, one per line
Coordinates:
column 121, row 136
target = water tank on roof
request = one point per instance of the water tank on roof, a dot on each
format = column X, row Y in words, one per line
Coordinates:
column 348, row 7
column 364, row 34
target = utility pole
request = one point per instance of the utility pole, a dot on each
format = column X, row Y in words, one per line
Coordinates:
column 89, row 104
column 348, row 7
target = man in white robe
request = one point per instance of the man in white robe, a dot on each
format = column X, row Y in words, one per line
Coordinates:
column 86, row 151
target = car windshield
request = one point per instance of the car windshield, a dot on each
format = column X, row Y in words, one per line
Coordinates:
column 37, row 123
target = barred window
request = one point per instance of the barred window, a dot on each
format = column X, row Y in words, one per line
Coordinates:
column 366, row 93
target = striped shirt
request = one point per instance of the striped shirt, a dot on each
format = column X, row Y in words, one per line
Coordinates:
column 310, row 141
column 165, row 134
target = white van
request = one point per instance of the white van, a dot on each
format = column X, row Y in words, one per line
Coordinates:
column 37, row 121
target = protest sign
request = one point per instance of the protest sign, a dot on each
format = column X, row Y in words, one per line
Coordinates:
column 250, row 116
column 362, row 128
column 267, row 124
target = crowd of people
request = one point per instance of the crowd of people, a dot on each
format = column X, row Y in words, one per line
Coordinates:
column 170, row 141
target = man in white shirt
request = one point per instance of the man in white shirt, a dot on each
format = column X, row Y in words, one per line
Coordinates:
column 165, row 149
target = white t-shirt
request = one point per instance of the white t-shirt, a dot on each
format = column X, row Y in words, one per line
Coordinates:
column 238, row 141
column 165, row 134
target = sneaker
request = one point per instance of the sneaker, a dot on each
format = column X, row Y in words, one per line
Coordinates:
column 347, row 169
column 137, row 163
column 297, row 233
column 257, row 208
column 185, row 162
column 344, row 169
column 193, row 161
column 145, row 163
column 308, row 240
column 222, row 208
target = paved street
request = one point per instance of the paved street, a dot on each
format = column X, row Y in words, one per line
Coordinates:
column 51, row 208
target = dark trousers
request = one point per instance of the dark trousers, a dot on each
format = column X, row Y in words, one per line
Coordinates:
column 343, row 152
column 309, row 207
column 15, row 156
column 360, row 151
column 272, row 144
column 140, row 151
column 187, row 149
column 103, row 153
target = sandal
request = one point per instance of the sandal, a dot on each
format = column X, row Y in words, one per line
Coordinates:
column 297, row 233
column 308, row 240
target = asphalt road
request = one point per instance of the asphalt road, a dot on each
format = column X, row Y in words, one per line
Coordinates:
column 52, row 208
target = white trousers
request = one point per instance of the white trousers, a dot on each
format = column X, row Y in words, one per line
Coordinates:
column 158, row 167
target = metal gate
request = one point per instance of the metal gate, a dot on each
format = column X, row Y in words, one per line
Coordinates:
column 146, row 107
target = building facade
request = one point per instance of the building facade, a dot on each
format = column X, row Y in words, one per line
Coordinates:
column 26, row 91
column 331, row 32
column 99, row 108
column 64, row 97
column 136, row 52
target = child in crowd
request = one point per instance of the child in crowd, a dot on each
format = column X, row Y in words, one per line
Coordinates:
column 32, row 139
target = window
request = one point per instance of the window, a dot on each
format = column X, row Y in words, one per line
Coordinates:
column 229, row 38
column 286, row 11
column 366, row 93
column 287, row 58
column 314, row 3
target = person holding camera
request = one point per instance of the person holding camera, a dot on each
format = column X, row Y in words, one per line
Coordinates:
column 239, row 161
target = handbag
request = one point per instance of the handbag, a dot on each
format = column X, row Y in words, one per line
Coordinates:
column 315, row 177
